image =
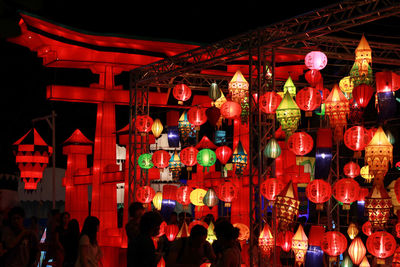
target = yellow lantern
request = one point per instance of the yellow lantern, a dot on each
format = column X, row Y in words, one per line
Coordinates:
column 211, row 237
column 289, row 86
column 352, row 231
column 196, row 197
column 300, row 245
column 347, row 86
column 157, row 128
column 364, row 262
column 378, row 155
column 157, row 200
column 363, row 55
column 238, row 87
column 220, row 101
column 288, row 114
column 337, row 109
column 183, row 232
column 364, row 172
column 266, row 240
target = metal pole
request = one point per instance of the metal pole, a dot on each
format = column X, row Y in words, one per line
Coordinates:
column 252, row 243
column 53, row 122
column 130, row 141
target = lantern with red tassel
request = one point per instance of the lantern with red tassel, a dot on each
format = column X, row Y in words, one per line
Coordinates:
column 197, row 116
column 181, row 92
column 171, row 231
column 357, row 251
column 318, row 191
column 300, row 143
column 308, row 99
column 356, row 138
column 378, row 205
column 227, row 192
column 381, row 244
column 143, row 124
column 266, row 240
column 351, row 169
column 287, row 206
column 271, row 187
column 362, row 94
column 269, row 102
column 188, row 157
column 161, row 159
column 346, row 191
column 333, row 243
column 145, row 194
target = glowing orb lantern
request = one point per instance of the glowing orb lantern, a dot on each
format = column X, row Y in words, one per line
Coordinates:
column 197, row 116
column 175, row 165
column 188, row 157
column 367, row 228
column 271, row 187
column 206, row 157
column 157, row 200
column 239, row 158
column 171, row 231
column 145, row 194
column 157, row 128
column 333, row 243
column 210, row 198
column 288, row 114
column 356, row 138
column 300, row 143
column 346, row 191
column 272, row 149
column 299, row 245
column 315, row 60
column 196, row 197
column 224, row 154
column 357, row 251
column 231, row 110
column 269, row 102
column 181, row 92
column 378, row 205
column 227, row 192
column 364, row 172
column 362, row 94
column 285, row 240
column 351, row 169
column 214, row 92
column 381, row 244
column 145, row 162
column 313, row 77
column 244, row 231
column 31, row 158
column 160, row 159
column 318, row 191
column 308, row 99
column 143, row 124
column 347, row 86
column 287, row 206
column 266, row 240
column 352, row 230
column 183, row 195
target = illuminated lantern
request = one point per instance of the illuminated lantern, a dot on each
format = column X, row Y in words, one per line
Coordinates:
column 244, row 231
column 387, row 81
column 183, row 232
column 157, row 128
column 175, row 165
column 205, row 143
column 363, row 194
column 227, row 192
column 362, row 94
column 378, row 155
column 239, row 158
column 206, row 157
column 300, row 143
column 352, row 230
column 381, row 244
column 171, row 231
column 188, row 157
column 197, row 116
column 272, row 149
column 363, row 54
column 346, row 262
column 287, row 206
column 285, row 240
column 238, row 87
column 269, row 102
column 299, row 245
column 271, row 187
column 181, row 93
column 160, row 159
column 183, row 195
column 223, row 154
column 315, row 60
column 197, row 222
column 364, row 263
column 214, row 92
column 220, row 137
column 364, row 172
column 361, row 76
column 210, row 199
column 231, row 110
column 220, row 101
column 346, row 191
column 145, row 194
column 288, row 114
column 213, row 114
column 184, row 128
column 157, row 200
column 289, row 87
column 356, row 138
column 145, row 162
column 357, row 251
column 318, row 191
column 351, row 169
column 211, row 237
column 162, row 229
column 313, row 77
column 356, row 112
column 196, row 197
column 367, row 228
column 144, row 124
column 378, row 205
column 173, row 136
column 266, row 240
column 308, row 99
column 396, row 258
column 337, row 109
column 347, row 86
column 333, row 243
column 32, row 156
column 323, row 153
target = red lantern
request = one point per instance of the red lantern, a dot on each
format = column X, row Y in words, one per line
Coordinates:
column 313, row 77
column 333, row 243
column 231, row 110
column 397, row 189
column 381, row 244
column 300, row 143
column 363, row 193
column 227, row 192
column 356, row 138
column 181, row 93
column 145, row 194
column 315, row 60
column 318, row 191
column 213, row 114
column 357, row 251
column 346, row 191
column 271, row 187
column 351, row 169
column 367, row 228
column 160, row 159
column 269, row 102
column 197, row 116
column 287, row 206
column 285, row 240
column 144, row 123
column 362, row 94
column 387, row 81
column 224, row 154
column 266, row 240
column 316, row 231
column 308, row 99
column 162, row 229
column 188, row 157
column 171, row 231
column 170, row 191
column 356, row 112
column 183, row 195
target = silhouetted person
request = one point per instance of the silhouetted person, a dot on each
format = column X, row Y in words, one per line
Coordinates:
column 52, row 223
column 89, row 253
column 141, row 250
column 136, row 211
column 71, row 243
column 61, row 237
column 229, row 255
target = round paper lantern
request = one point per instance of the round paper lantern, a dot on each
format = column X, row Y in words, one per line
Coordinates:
column 197, row 222
column 319, row 191
column 157, row 200
column 144, row 124
column 145, row 194
column 333, row 243
column 181, row 93
column 266, row 240
column 285, row 240
column 197, row 116
column 272, row 149
column 223, row 154
column 364, row 172
column 244, row 231
column 357, row 251
column 196, row 197
column 231, row 110
column 213, row 114
column 210, row 199
column 271, row 187
column 308, row 99
column 352, row 230
column 288, row 114
column 157, row 128
column 313, row 77
column 300, row 143
column 315, row 60
column 160, row 159
column 346, row 191
column 351, row 169
column 206, row 157
column 171, row 231
column 183, row 195
column 367, row 228
column 145, row 162
column 188, row 157
column 362, row 94
column 381, row 244
column 356, row 138
column 214, row 92
column 269, row 102
column 227, row 192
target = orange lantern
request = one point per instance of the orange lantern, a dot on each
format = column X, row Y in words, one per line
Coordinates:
column 269, row 102
column 181, row 93
column 333, row 243
column 223, row 154
column 367, row 228
column 346, row 191
column 143, row 124
column 313, row 77
column 188, row 157
column 315, row 60
column 352, row 230
column 157, row 128
column 378, row 205
column 299, row 245
column 357, row 251
column 197, row 116
column 183, row 195
column 244, row 231
column 160, row 159
column 351, row 169
column 171, row 231
column 381, row 244
column 285, row 240
column 271, row 187
column 183, row 232
column 238, row 87
column 266, row 240
column 356, row 138
column 231, row 110
column 227, row 192
column 308, row 99
column 362, row 94
column 300, row 143
column 364, row 262
column 145, row 194
column 318, row 191
column 363, row 55
column 287, row 206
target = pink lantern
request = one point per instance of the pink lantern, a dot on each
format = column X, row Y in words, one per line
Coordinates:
column 315, row 60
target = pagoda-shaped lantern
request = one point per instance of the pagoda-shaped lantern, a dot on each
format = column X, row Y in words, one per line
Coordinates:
column 378, row 155
column 266, row 240
column 378, row 205
column 300, row 245
column 239, row 158
column 32, row 156
column 289, row 87
column 175, row 165
column 184, row 127
column 363, row 56
column 287, row 206
column 288, row 114
column 239, row 91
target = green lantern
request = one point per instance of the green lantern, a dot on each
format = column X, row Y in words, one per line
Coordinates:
column 239, row 158
column 214, row 93
column 347, row 262
column 288, row 114
column 145, row 162
column 206, row 158
column 175, row 165
column 289, row 87
column 390, row 137
column 210, row 199
column 357, row 78
column 272, row 149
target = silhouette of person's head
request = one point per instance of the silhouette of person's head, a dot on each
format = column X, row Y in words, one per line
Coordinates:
column 136, row 210
column 90, row 228
column 150, row 223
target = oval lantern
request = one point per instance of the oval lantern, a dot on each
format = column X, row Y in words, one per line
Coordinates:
column 271, row 187
column 160, row 159
column 197, row 116
column 206, row 157
column 315, row 60
column 300, row 143
column 356, row 138
column 308, row 99
column 210, row 199
column 285, row 239
column 145, row 194
column 157, row 200
column 362, row 94
column 318, row 191
column 214, row 92
column 357, row 251
column 224, row 154
column 143, row 124
column 183, row 195
column 367, row 228
column 171, row 231
column 333, row 243
column 269, row 102
column 313, row 77
column 351, row 169
column 272, row 149
column 145, row 161
column 196, row 197
column 157, row 128
column 227, row 192
column 213, row 114
column 244, row 231
column 364, row 172
column 181, row 93
column 381, row 244
column 352, row 230
column 346, row 191
column 188, row 157
column 231, row 110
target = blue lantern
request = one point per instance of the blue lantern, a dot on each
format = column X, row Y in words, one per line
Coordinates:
column 323, row 158
column 239, row 158
column 314, row 256
column 220, row 137
column 173, row 136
